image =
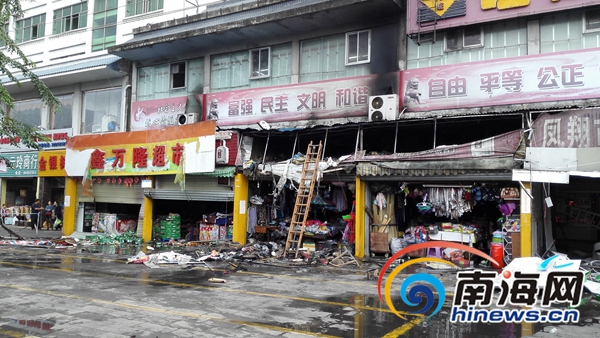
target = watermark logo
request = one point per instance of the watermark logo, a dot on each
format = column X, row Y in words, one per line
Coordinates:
column 423, row 285
column 555, row 280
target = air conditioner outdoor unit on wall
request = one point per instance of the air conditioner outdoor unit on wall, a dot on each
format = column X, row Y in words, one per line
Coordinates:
column 383, row 107
column 188, row 118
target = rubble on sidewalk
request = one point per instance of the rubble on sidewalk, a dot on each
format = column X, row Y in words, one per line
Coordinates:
column 55, row 243
column 260, row 253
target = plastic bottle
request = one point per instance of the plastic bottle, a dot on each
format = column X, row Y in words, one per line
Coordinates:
column 203, row 232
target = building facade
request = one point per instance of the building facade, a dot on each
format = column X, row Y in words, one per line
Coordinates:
column 417, row 94
column 67, row 40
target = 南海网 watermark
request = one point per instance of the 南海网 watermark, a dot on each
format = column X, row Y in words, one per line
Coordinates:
column 474, row 290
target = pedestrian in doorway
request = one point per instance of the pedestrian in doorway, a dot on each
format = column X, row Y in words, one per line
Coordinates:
column 3, row 213
column 58, row 214
column 36, row 208
column 48, row 215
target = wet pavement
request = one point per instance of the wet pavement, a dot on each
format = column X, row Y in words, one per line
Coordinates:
column 92, row 292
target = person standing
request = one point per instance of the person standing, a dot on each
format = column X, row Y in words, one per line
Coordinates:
column 59, row 215
column 3, row 213
column 36, row 208
column 48, row 215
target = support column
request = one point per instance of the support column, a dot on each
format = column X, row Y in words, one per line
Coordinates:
column 359, row 214
column 70, row 206
column 3, row 190
column 147, row 221
column 526, row 237
column 240, row 207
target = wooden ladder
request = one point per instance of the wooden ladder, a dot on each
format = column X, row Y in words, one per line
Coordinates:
column 310, row 171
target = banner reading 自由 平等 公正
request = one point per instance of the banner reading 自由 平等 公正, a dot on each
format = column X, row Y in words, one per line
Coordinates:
column 551, row 77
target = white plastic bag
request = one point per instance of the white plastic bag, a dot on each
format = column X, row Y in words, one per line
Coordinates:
column 397, row 245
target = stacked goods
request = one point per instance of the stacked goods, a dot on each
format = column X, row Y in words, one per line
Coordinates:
column 168, row 227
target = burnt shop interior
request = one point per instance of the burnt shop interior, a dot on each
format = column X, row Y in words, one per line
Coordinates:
column 382, row 138
column 484, row 215
column 571, row 214
column 271, row 198
column 330, row 219
column 202, row 211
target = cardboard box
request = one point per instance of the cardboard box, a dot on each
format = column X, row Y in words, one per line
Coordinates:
column 309, row 245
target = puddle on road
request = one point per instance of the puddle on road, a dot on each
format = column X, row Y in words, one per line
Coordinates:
column 356, row 321
column 16, row 327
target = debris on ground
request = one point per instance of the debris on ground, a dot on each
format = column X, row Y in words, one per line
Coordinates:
column 232, row 253
column 54, row 243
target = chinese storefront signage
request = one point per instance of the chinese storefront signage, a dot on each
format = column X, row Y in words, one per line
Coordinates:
column 146, row 152
column 457, row 13
column 57, row 140
column 24, row 165
column 529, row 79
column 147, row 157
column 307, row 101
column 156, row 114
column 571, row 129
column 51, row 163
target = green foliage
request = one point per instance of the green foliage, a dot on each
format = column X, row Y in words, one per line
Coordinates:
column 15, row 64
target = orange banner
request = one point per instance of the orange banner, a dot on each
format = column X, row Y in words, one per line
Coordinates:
column 148, row 152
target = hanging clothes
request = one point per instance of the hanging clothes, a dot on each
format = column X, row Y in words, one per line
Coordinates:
column 385, row 215
column 339, row 198
column 251, row 220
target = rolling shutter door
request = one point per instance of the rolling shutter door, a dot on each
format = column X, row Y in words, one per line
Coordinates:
column 119, row 193
column 113, row 193
column 197, row 188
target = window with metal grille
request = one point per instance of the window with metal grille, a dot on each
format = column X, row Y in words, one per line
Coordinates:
column 70, row 18
column 260, row 63
column 358, row 47
column 135, row 7
column 592, row 20
column 30, row 28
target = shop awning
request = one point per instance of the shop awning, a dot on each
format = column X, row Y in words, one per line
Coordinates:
column 220, row 172
column 479, row 167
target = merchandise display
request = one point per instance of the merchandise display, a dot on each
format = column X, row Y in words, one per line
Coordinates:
column 453, row 213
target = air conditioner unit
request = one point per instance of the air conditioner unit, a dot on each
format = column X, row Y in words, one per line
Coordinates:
column 383, row 107
column 188, row 118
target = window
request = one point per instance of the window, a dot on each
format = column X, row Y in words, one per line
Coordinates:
column 592, row 20
column 70, row 18
column 469, row 37
column 358, row 47
column 63, row 118
column 473, row 37
column 232, row 71
column 28, row 112
column 324, row 59
column 135, row 7
column 102, row 110
column 260, row 61
column 177, row 75
column 30, row 28
column 104, row 34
